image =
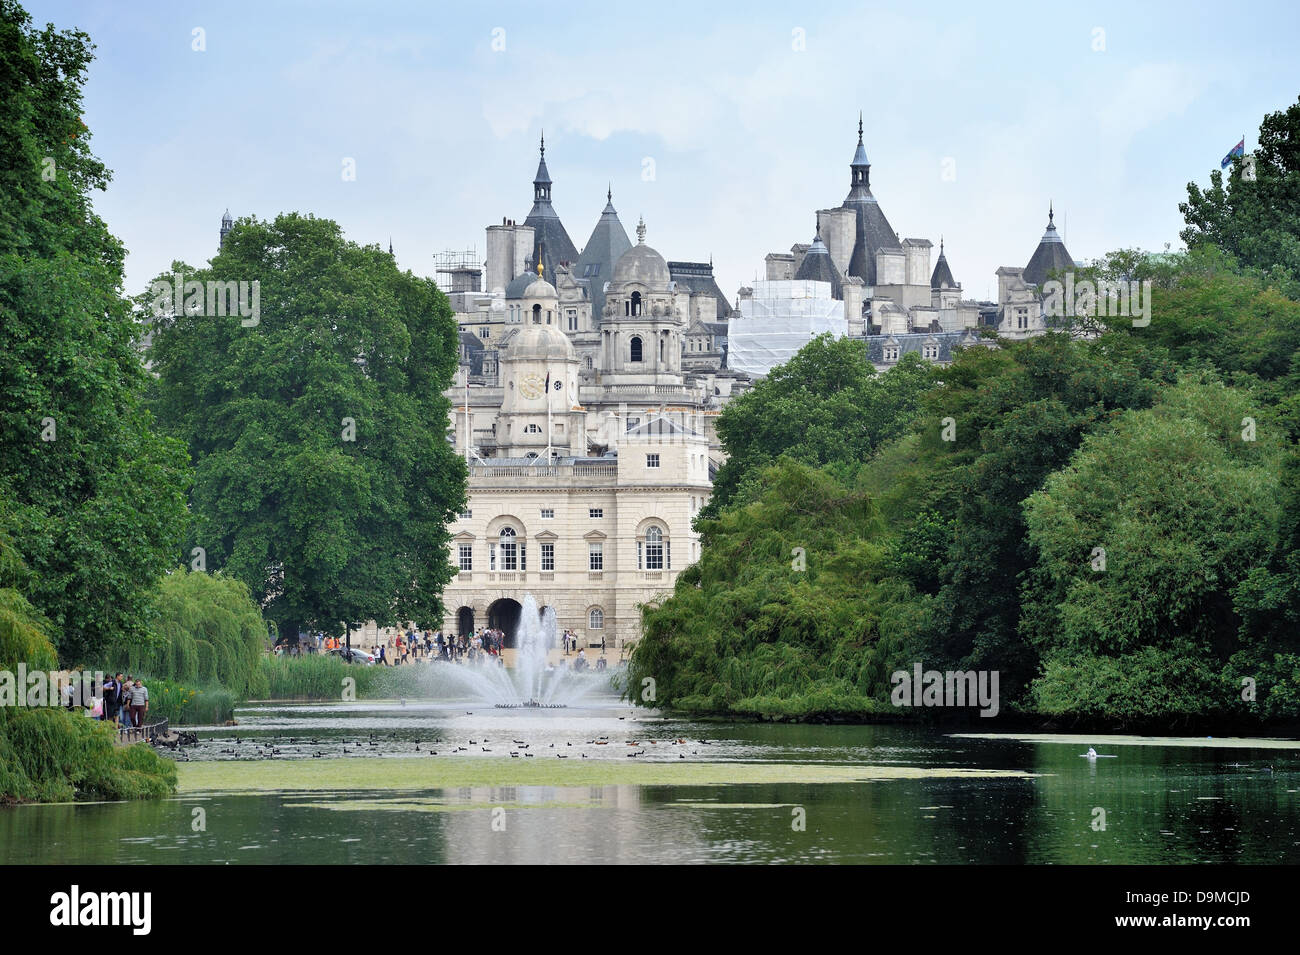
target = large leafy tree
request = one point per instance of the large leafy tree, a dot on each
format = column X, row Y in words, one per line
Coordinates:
column 826, row 405
column 1256, row 221
column 324, row 479
column 97, row 497
column 1142, row 544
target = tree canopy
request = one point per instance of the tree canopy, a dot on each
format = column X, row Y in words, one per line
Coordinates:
column 97, row 495
column 324, row 478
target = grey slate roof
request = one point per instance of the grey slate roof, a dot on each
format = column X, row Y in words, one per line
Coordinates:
column 873, row 231
column 516, row 286
column 1050, row 256
column 947, row 341
column 942, row 274
column 698, row 277
column 595, row 266
column 548, row 231
column 818, row 267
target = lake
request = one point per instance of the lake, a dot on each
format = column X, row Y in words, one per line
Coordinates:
column 411, row 782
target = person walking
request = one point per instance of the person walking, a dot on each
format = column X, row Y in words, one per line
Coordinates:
column 139, row 703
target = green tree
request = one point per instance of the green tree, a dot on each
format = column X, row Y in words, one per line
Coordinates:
column 1141, row 545
column 783, row 616
column 324, row 478
column 825, row 405
column 209, row 630
column 98, row 498
column 1256, row 221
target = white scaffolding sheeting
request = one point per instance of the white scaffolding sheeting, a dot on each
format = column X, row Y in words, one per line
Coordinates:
column 778, row 320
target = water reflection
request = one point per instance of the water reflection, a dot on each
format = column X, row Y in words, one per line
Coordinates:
column 1156, row 804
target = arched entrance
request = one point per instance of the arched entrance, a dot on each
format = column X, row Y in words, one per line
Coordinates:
column 503, row 615
column 465, row 621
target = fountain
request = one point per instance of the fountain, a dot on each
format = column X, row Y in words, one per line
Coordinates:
column 532, row 683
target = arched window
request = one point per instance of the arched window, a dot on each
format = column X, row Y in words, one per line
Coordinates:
column 509, row 549
column 533, row 429
column 537, row 314
column 635, row 304
column 596, row 619
column 636, row 348
column 654, row 549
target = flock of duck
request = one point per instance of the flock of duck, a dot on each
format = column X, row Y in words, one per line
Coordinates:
column 263, row 746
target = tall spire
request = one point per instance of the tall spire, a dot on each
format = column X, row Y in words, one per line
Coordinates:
column 226, row 223
column 542, row 181
column 861, row 166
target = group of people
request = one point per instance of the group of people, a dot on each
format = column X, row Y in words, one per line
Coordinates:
column 483, row 645
column 122, row 700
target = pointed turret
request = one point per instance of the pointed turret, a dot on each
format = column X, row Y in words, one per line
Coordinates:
column 1050, row 256
column 226, row 224
column 873, row 231
column 548, row 231
column 942, row 277
column 606, row 246
column 818, row 267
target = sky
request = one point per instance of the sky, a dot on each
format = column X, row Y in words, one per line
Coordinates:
column 725, row 125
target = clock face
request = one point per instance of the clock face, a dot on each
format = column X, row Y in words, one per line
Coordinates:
column 531, row 386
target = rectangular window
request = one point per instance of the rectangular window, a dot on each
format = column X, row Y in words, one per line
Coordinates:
column 632, row 423
column 548, row 513
column 466, row 555
column 596, row 556
column 485, row 332
column 652, row 460
column 654, row 555
column 594, row 512
column 548, row 557
column 492, row 556
column 465, row 515
column 509, row 555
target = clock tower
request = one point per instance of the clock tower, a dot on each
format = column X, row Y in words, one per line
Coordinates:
column 539, row 401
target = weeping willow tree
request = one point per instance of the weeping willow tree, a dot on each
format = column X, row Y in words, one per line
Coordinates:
column 209, row 631
column 49, row 754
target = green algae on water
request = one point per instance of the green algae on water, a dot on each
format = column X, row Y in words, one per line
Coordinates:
column 376, row 773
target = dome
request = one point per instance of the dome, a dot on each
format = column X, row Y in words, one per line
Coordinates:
column 642, row 265
column 534, row 341
column 540, row 288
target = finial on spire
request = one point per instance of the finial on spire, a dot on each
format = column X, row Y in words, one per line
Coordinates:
column 609, row 193
column 390, row 245
column 640, row 230
column 543, row 144
column 1051, row 213
column 859, row 127
column 540, row 267
column 941, row 243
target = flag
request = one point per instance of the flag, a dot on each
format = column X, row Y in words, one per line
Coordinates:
column 1237, row 150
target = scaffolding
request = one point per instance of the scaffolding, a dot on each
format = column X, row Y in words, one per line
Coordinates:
column 463, row 271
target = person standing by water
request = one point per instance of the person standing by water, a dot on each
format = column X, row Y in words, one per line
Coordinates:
column 139, row 703
column 109, row 710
